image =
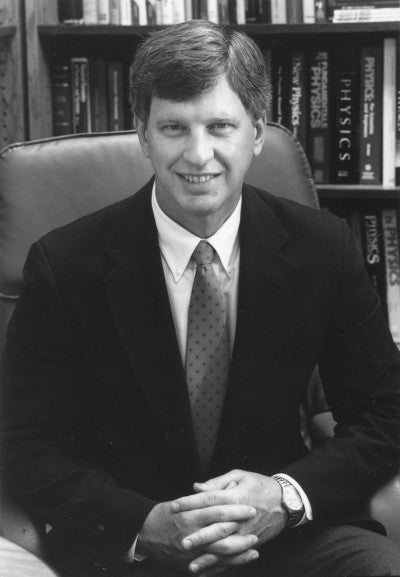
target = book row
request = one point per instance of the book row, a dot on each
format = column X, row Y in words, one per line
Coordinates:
column 377, row 232
column 341, row 106
column 156, row 12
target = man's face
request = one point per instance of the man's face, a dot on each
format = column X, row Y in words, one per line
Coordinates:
column 201, row 150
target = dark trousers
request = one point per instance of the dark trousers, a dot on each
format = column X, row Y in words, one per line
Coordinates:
column 339, row 551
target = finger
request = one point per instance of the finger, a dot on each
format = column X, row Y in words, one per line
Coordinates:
column 209, row 534
column 220, row 482
column 199, row 487
column 232, row 545
column 222, row 514
column 209, row 561
column 203, row 500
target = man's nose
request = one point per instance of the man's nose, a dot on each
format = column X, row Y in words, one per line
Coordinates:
column 199, row 149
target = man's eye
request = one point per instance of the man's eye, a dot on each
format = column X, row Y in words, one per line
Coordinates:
column 172, row 128
column 221, row 126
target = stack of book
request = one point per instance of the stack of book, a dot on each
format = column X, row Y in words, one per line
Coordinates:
column 377, row 232
column 363, row 11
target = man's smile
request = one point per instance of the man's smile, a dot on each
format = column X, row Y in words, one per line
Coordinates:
column 197, row 178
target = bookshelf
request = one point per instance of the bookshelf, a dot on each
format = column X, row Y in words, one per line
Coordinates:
column 33, row 36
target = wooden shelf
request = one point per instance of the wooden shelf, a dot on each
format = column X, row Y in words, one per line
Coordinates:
column 387, row 28
column 7, row 31
column 358, row 192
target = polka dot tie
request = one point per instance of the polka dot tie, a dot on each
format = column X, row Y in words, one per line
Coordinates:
column 207, row 355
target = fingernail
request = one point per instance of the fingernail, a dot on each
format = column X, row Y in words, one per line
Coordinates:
column 186, row 544
column 175, row 507
column 194, row 567
column 255, row 540
column 255, row 555
column 253, row 511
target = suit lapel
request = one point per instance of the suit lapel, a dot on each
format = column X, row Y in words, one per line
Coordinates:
column 140, row 306
column 266, row 283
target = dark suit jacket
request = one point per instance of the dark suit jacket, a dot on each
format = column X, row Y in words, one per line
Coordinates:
column 96, row 417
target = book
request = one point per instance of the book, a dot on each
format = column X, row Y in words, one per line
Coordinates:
column 318, row 115
column 212, row 11
column 240, row 17
column 294, row 12
column 297, row 119
column 367, row 15
column 389, row 113
column 115, row 17
column 189, row 9
column 345, row 99
column 223, row 12
column 167, row 11
column 373, row 250
column 103, row 11
column 370, row 140
column 139, row 12
column 252, row 11
column 397, row 162
column 278, row 12
column 125, row 13
column 116, row 111
column 321, row 11
column 98, row 95
column 151, row 7
column 70, row 11
column 60, row 78
column 308, row 11
column 90, row 12
column 280, row 84
column 81, row 116
column 392, row 266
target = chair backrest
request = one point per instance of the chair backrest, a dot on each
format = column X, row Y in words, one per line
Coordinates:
column 47, row 183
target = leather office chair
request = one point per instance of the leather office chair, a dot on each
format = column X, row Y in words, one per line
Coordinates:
column 47, row 183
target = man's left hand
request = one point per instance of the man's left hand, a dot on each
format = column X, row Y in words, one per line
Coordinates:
column 235, row 487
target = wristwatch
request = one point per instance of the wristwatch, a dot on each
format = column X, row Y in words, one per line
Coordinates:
column 291, row 500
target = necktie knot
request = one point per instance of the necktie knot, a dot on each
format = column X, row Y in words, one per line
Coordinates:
column 203, row 254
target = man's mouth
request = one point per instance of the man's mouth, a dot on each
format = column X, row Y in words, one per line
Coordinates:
column 198, row 178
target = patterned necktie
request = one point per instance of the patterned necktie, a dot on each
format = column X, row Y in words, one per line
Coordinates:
column 207, row 355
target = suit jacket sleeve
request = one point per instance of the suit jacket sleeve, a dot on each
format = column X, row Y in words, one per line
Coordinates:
column 41, row 415
column 360, row 371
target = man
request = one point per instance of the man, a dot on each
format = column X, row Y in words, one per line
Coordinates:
column 159, row 354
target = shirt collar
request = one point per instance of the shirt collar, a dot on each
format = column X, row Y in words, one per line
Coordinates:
column 177, row 244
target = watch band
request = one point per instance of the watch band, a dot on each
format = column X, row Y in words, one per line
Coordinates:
column 294, row 515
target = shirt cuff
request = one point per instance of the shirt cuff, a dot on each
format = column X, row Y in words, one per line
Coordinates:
column 308, row 516
column 132, row 556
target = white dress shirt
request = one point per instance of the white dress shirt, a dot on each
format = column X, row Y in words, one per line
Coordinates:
column 176, row 247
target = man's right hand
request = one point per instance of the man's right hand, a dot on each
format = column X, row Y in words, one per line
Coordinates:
column 163, row 532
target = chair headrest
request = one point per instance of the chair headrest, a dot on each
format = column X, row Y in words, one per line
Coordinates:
column 46, row 183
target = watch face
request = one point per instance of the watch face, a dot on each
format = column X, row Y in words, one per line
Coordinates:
column 292, row 499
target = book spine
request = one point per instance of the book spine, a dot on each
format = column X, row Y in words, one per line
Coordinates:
column 345, row 98
column 151, row 8
column 212, row 11
column 318, row 115
column 103, row 11
column 223, row 12
column 278, row 12
column 70, row 11
column 115, row 91
column 370, row 159
column 280, row 82
column 98, row 95
column 392, row 262
column 367, row 15
column 294, row 12
column 308, row 11
column 139, row 8
column 167, row 11
column 252, row 8
column 374, row 252
column 389, row 112
column 297, row 97
column 75, row 92
column 125, row 12
column 115, row 17
column 90, row 12
column 321, row 11
column 264, row 11
column 397, row 163
column 188, row 10
column 61, row 98
column 240, row 12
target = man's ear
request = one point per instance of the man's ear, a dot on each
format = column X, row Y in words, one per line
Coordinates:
column 142, row 134
column 259, row 134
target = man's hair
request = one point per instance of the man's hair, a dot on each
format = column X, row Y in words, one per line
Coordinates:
column 181, row 62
